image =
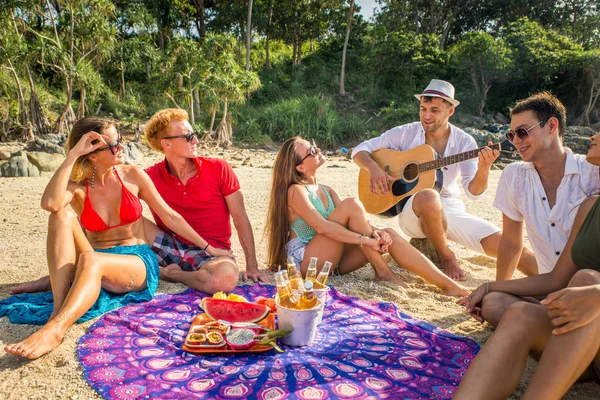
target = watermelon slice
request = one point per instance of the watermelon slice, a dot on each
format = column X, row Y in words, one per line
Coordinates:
column 234, row 311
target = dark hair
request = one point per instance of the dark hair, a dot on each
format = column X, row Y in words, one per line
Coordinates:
column 429, row 99
column 545, row 106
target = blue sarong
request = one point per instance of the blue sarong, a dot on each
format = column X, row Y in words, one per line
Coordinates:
column 35, row 308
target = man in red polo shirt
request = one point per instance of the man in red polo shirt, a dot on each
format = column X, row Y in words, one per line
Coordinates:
column 206, row 193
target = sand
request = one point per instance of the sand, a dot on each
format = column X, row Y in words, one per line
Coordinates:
column 23, row 230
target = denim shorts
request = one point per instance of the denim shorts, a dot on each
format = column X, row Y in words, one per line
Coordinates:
column 295, row 248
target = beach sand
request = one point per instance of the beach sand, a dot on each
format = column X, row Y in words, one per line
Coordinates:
column 23, row 230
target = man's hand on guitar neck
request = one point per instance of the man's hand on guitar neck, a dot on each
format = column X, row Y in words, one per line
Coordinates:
column 379, row 183
column 487, row 156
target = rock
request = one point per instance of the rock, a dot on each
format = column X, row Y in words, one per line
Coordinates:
column 501, row 118
column 46, row 146
column 4, row 155
column 578, row 144
column 132, row 151
column 19, row 165
column 47, row 162
column 494, row 128
column 425, row 247
column 579, row 131
column 58, row 140
column 483, row 137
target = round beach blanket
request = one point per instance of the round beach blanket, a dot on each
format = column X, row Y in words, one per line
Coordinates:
column 363, row 350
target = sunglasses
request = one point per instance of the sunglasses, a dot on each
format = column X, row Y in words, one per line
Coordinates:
column 188, row 136
column 112, row 146
column 522, row 132
column 311, row 152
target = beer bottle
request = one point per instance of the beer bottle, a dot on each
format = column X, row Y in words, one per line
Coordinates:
column 287, row 298
column 311, row 273
column 308, row 299
column 295, row 277
column 323, row 275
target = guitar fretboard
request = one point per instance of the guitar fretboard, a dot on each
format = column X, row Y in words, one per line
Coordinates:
column 453, row 159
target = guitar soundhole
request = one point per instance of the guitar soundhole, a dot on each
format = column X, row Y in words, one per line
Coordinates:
column 411, row 171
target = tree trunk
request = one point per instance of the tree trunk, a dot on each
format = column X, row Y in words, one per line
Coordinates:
column 200, row 24
column 196, row 102
column 248, row 34
column 212, row 119
column 485, row 88
column 223, row 133
column 122, row 80
column 148, row 71
column 81, row 107
column 192, row 115
column 67, row 118
column 40, row 122
column 268, row 63
column 20, row 96
column 343, row 71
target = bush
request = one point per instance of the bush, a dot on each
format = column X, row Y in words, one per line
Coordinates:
column 308, row 116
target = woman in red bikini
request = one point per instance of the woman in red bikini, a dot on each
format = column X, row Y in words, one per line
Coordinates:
column 108, row 263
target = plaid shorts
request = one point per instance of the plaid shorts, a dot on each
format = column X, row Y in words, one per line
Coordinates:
column 171, row 250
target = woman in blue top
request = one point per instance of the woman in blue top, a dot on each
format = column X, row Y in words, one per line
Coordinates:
column 306, row 219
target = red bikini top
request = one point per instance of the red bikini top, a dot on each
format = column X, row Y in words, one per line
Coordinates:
column 131, row 210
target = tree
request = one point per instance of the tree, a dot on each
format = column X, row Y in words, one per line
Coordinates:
column 79, row 37
column 484, row 59
column 248, row 34
column 348, row 25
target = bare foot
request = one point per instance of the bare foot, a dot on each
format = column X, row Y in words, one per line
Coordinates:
column 451, row 268
column 392, row 278
column 43, row 341
column 167, row 273
column 39, row 285
column 456, row 290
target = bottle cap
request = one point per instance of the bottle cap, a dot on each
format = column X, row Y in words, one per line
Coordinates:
column 308, row 285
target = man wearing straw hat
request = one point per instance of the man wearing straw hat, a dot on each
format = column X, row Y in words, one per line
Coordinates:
column 440, row 215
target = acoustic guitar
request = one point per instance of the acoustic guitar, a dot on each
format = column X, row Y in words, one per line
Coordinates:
column 414, row 170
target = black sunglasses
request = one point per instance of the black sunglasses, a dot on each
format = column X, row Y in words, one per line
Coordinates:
column 112, row 146
column 522, row 132
column 188, row 136
column 311, row 152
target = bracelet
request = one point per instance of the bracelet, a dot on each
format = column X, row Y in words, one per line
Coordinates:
column 361, row 239
column 206, row 247
column 487, row 288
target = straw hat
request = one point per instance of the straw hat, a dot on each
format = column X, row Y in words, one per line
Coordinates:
column 439, row 88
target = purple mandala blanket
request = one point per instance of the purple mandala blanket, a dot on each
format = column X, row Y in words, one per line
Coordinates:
column 363, row 350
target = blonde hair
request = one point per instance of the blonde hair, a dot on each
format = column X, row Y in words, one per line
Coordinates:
column 285, row 174
column 159, row 123
column 83, row 165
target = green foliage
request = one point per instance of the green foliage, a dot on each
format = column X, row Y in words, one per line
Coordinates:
column 310, row 117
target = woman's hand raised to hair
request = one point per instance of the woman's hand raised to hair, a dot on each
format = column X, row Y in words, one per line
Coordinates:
column 84, row 145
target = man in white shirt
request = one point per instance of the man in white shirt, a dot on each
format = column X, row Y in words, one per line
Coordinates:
column 541, row 193
column 435, row 215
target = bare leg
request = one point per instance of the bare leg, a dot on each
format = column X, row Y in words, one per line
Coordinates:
column 39, row 285
column 495, row 304
column 351, row 214
column 497, row 369
column 116, row 273
column 567, row 356
column 428, row 207
column 414, row 261
column 217, row 275
column 527, row 262
column 65, row 238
